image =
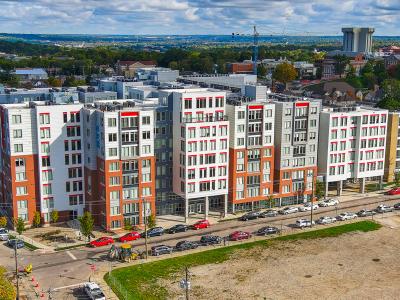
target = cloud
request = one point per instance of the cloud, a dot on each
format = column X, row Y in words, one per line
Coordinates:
column 198, row 16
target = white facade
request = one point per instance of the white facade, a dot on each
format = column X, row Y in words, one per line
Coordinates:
column 352, row 143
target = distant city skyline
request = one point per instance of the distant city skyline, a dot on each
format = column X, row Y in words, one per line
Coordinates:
column 293, row 17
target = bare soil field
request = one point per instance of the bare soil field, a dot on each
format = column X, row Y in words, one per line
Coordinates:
column 351, row 266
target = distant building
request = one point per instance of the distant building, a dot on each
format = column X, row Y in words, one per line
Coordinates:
column 240, row 68
column 386, row 51
column 305, row 69
column 156, row 75
column 392, row 60
column 90, row 95
column 128, row 68
column 29, row 74
column 357, row 39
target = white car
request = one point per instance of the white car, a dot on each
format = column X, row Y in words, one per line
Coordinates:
column 346, row 216
column 289, row 210
column 326, row 220
column 4, row 234
column 383, row 209
column 93, row 291
column 301, row 223
column 307, row 207
column 328, row 202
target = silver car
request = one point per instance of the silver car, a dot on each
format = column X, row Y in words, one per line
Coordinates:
column 326, row 220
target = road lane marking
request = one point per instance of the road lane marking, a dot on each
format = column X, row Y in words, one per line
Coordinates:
column 71, row 255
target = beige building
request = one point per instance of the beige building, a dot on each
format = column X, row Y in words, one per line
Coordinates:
column 128, row 68
column 392, row 157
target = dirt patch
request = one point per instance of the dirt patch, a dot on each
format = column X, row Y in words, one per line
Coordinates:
column 352, row 266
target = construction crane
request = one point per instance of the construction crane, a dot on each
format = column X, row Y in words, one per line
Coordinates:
column 255, row 49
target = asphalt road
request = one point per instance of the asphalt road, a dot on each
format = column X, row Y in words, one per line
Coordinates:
column 65, row 268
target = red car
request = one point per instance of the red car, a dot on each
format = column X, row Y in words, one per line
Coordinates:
column 201, row 224
column 395, row 191
column 131, row 236
column 103, row 241
column 239, row 235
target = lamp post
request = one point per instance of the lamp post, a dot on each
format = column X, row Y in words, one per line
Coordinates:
column 16, row 267
column 145, row 226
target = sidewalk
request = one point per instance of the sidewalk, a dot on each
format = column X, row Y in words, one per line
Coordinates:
column 41, row 247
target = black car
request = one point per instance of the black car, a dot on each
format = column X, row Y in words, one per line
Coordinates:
column 268, row 213
column 14, row 242
column 210, row 240
column 156, row 231
column 366, row 213
column 396, row 206
column 161, row 249
column 249, row 216
column 267, row 230
column 186, row 245
column 178, row 228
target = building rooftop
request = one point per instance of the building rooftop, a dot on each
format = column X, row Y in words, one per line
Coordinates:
column 30, row 71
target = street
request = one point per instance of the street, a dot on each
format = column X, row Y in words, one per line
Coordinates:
column 72, row 267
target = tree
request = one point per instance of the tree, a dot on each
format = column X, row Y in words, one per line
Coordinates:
column 19, row 225
column 54, row 216
column 397, row 179
column 261, row 71
column 319, row 190
column 87, row 224
column 151, row 221
column 270, row 200
column 7, row 291
column 54, row 82
column 341, row 63
column 391, row 95
column 37, row 219
column 3, row 222
column 285, row 73
column 127, row 224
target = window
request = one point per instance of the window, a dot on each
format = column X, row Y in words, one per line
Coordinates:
column 75, row 199
column 45, row 161
column 114, row 210
column 20, row 176
column 45, row 147
column 21, row 190
column 44, row 119
column 241, row 115
column 146, row 149
column 188, row 103
column 146, row 135
column 47, row 175
column 18, row 148
column 16, row 119
column 146, row 120
column 112, row 137
column 17, row 133
column 146, row 191
column 19, row 162
column 22, row 204
column 288, row 111
column 46, row 189
column 112, row 152
column 112, row 122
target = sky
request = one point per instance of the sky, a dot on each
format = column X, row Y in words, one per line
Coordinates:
column 279, row 17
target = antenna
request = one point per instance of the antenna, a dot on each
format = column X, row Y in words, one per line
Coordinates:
column 255, row 49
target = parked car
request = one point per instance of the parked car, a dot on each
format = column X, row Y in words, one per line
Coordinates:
column 161, row 249
column 302, row 223
column 4, row 234
column 178, row 228
column 93, row 291
column 307, row 207
column 383, row 209
column 206, row 240
column 396, row 206
column 394, row 191
column 131, row 236
column 366, row 213
column 103, row 241
column 186, row 245
column 250, row 216
column 16, row 243
column 201, row 224
column 346, row 216
column 289, row 210
column 156, row 231
column 267, row 230
column 268, row 213
column 326, row 220
column 328, row 202
column 239, row 235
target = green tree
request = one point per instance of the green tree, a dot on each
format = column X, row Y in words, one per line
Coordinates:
column 397, row 179
column 7, row 291
column 87, row 224
column 127, row 224
column 19, row 225
column 319, row 190
column 37, row 219
column 54, row 216
column 369, row 80
column 151, row 221
column 261, row 71
column 391, row 95
column 3, row 222
column 380, row 72
column 284, row 73
column 341, row 63
column 54, row 82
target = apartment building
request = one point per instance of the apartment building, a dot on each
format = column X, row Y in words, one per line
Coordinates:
column 296, row 146
column 352, row 145
column 201, row 155
column 120, row 162
column 41, row 158
column 251, row 154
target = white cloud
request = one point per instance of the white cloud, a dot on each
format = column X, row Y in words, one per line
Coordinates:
column 197, row 16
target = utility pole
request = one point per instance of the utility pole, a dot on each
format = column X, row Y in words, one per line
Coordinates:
column 16, row 267
column 312, row 199
column 187, row 282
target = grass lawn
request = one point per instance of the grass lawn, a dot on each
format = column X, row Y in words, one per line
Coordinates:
column 141, row 281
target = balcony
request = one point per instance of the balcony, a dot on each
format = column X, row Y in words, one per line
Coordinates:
column 205, row 119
